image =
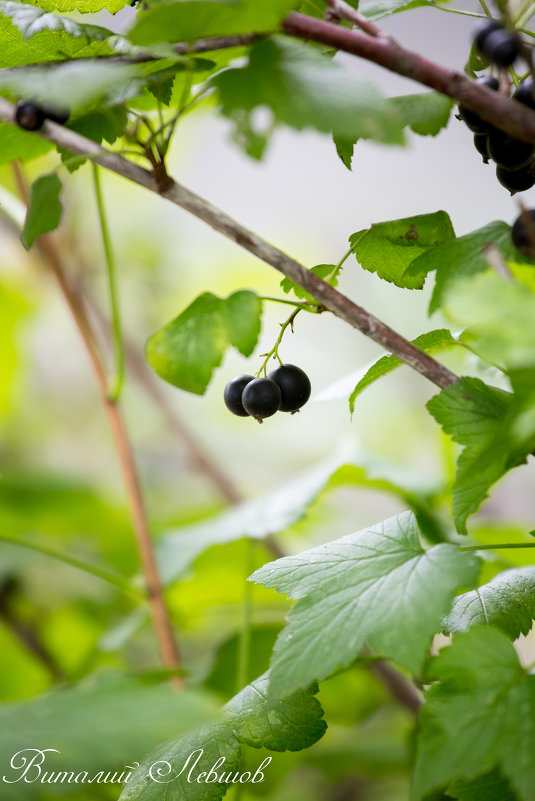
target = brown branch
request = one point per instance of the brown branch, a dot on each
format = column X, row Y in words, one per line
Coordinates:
column 162, row 623
column 508, row 115
column 330, row 298
column 401, row 688
column 342, row 10
column 216, row 43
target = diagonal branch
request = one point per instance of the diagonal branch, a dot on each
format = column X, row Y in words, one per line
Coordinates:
column 330, row 298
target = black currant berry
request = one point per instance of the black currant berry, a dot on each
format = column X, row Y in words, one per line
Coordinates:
column 233, row 394
column 29, row 115
column 59, row 114
column 261, row 398
column 294, row 386
column 523, row 232
column 471, row 118
column 481, row 145
column 524, row 93
column 516, row 180
column 509, row 152
column 500, row 47
column 483, row 30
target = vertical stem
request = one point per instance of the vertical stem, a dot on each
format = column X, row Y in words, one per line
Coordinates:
column 245, row 636
column 114, row 389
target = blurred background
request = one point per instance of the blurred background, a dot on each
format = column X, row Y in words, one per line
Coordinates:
column 59, row 481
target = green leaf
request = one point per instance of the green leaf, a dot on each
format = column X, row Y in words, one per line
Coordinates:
column 480, row 716
column 482, row 418
column 490, row 787
column 346, row 589
column 83, row 6
column 105, row 125
column 345, row 149
column 294, row 723
column 463, row 257
column 186, row 351
column 187, row 21
column 18, row 144
column 388, row 248
column 507, row 602
column 425, row 113
column 135, row 714
column 44, row 209
column 377, row 9
column 31, row 21
column 432, row 341
column 305, row 89
column 321, row 270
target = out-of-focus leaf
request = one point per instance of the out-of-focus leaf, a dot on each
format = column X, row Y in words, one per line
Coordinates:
column 377, row 9
column 425, row 113
column 44, row 209
column 321, row 270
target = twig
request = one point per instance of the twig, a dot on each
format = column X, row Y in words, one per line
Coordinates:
column 400, row 687
column 168, row 647
column 216, row 43
column 511, row 117
column 330, row 298
column 343, row 10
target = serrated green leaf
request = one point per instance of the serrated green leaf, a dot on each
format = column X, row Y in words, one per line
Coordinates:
column 490, row 787
column 136, row 714
column 480, row 716
column 186, row 351
column 345, row 590
column 345, row 149
column 294, row 723
column 187, row 21
column 44, row 209
column 426, row 113
column 482, row 418
column 32, row 20
column 377, row 9
column 321, row 270
column 507, row 602
column 305, row 89
column 463, row 257
column 388, row 248
column 432, row 341
column 83, row 6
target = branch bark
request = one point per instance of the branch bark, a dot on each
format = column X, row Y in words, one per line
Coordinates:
column 508, row 115
column 160, row 614
column 330, row 298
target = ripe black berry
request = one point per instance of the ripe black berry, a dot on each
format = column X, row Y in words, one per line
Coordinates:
column 524, row 93
column 483, row 30
column 261, row 398
column 523, row 232
column 29, row 115
column 233, row 394
column 59, row 114
column 500, row 47
column 509, row 152
column 471, row 118
column 516, row 180
column 294, row 386
column 481, row 145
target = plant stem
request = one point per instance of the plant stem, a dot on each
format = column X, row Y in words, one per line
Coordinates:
column 302, row 306
column 499, row 546
column 114, row 390
column 115, row 580
column 275, row 349
column 245, row 635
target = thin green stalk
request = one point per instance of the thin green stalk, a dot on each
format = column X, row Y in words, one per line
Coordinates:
column 275, row 349
column 303, row 306
column 116, row 384
column 485, row 8
column 245, row 635
column 460, row 11
column 110, row 578
column 498, row 546
column 342, row 260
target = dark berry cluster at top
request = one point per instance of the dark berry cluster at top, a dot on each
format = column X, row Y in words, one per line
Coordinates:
column 515, row 164
column 31, row 116
column 523, row 232
column 286, row 389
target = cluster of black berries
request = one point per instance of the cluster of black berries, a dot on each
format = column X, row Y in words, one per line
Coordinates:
column 523, row 232
column 286, row 389
column 31, row 116
column 515, row 162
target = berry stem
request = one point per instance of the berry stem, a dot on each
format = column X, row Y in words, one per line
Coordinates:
column 498, row 546
column 116, row 384
column 340, row 264
column 301, row 306
column 275, row 349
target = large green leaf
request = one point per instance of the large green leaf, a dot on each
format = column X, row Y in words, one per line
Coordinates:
column 425, row 113
column 44, row 209
column 507, row 602
column 186, row 351
column 294, row 723
column 463, row 257
column 82, row 721
column 490, row 787
column 437, row 340
column 346, row 590
column 388, row 248
column 483, row 419
column 480, row 716
column 187, row 21
column 305, row 89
